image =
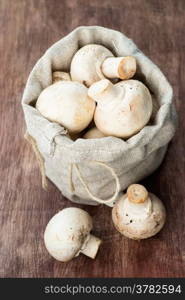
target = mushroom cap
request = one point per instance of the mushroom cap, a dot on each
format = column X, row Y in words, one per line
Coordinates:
column 86, row 63
column 66, row 233
column 68, row 104
column 127, row 113
column 139, row 221
column 93, row 133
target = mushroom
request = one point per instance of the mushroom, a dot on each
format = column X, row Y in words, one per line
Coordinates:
column 68, row 234
column 94, row 62
column 68, row 104
column 93, row 133
column 138, row 214
column 122, row 109
column 57, row 76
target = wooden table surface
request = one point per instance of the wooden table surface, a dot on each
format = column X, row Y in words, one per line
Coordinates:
column 27, row 29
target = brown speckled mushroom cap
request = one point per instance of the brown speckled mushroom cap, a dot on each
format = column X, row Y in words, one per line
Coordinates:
column 123, row 109
column 68, row 234
column 138, row 220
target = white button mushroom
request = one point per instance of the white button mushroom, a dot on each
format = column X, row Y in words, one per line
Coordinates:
column 119, row 67
column 123, row 109
column 68, row 104
column 58, row 76
column 93, row 133
column 68, row 234
column 138, row 214
column 94, row 62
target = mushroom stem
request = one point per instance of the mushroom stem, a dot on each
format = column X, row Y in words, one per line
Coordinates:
column 91, row 246
column 137, row 193
column 119, row 67
column 103, row 90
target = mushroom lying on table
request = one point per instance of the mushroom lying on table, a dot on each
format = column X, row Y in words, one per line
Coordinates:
column 94, row 62
column 138, row 214
column 68, row 234
column 68, row 104
column 122, row 109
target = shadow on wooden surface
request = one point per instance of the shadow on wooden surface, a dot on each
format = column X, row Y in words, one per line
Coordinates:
column 27, row 30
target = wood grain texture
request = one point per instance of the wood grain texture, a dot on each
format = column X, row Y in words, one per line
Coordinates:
column 28, row 28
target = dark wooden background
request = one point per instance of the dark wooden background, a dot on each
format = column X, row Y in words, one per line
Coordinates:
column 27, row 29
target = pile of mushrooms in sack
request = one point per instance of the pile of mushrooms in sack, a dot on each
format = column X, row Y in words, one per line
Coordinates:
column 121, row 108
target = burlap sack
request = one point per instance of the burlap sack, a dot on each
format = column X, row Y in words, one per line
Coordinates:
column 96, row 170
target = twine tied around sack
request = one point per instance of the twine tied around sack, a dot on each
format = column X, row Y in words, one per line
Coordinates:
column 40, row 160
column 110, row 200
column 39, row 157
